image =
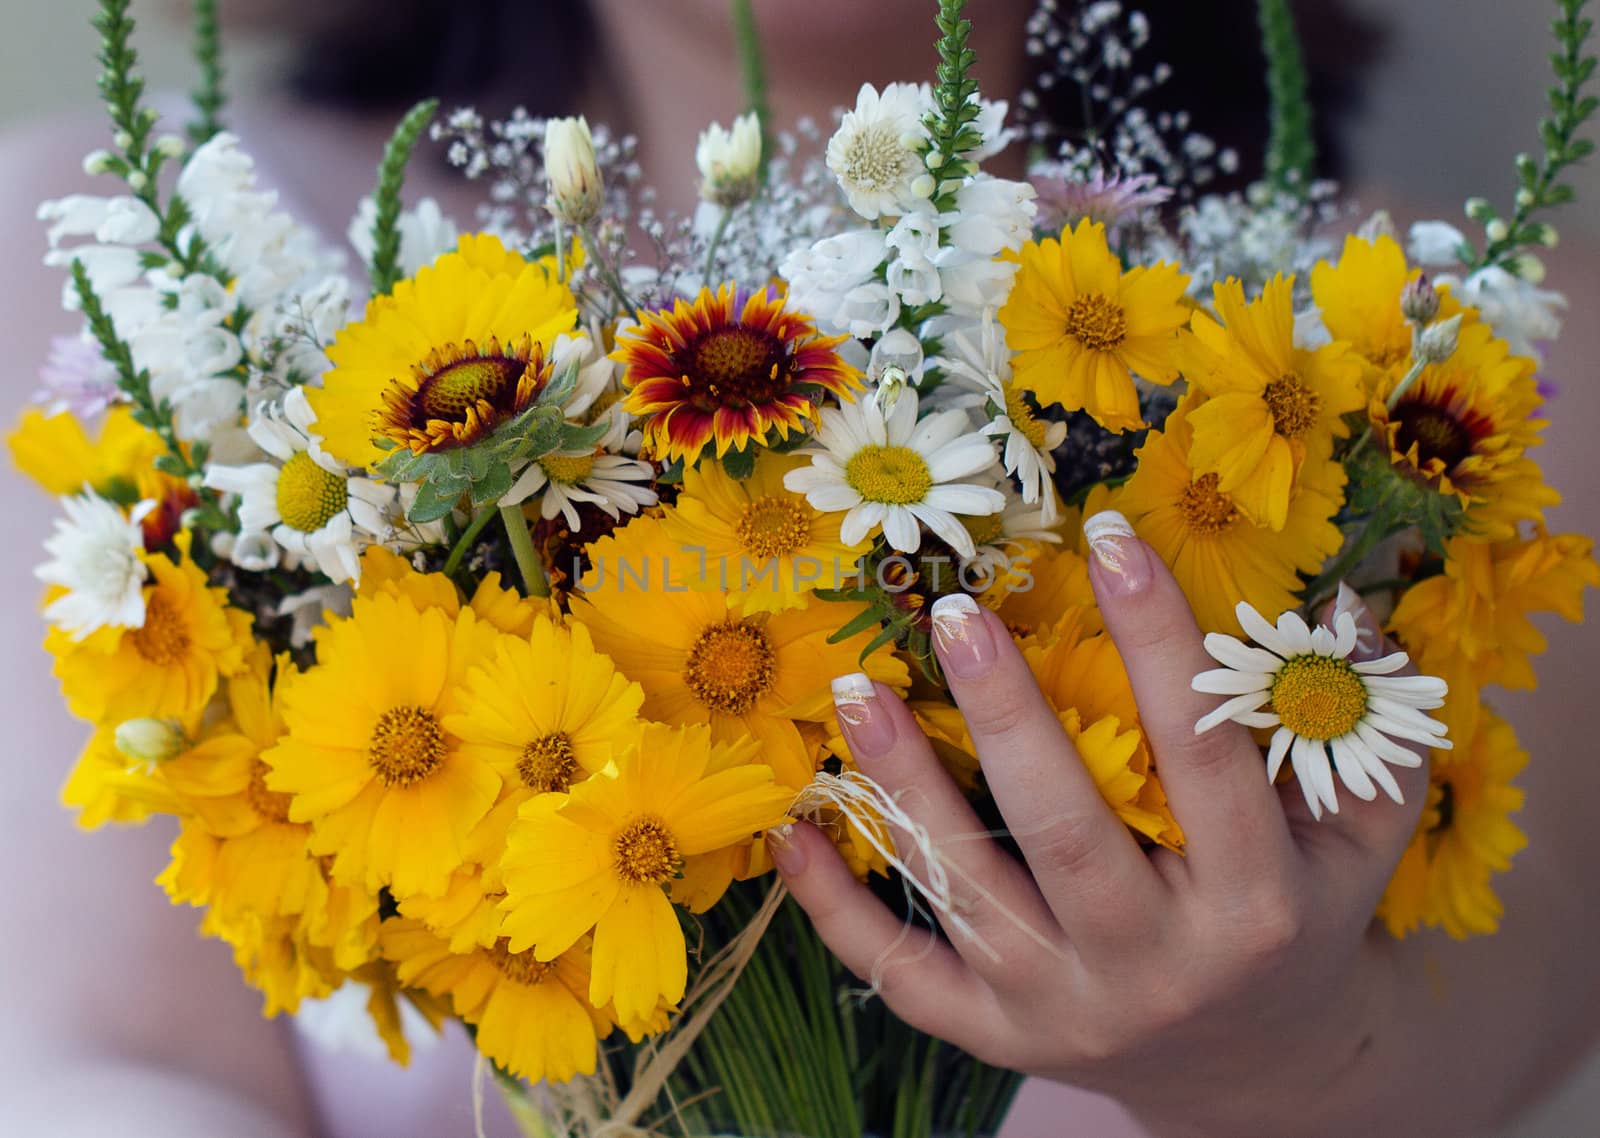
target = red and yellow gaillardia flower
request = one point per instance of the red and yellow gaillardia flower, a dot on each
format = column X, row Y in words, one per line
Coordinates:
column 725, row 371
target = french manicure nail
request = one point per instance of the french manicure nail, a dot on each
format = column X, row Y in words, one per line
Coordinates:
column 966, row 647
column 787, row 856
column 1118, row 551
column 861, row 715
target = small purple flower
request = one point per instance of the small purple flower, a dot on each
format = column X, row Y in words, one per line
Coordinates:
column 1066, row 196
column 76, row 378
column 1548, row 388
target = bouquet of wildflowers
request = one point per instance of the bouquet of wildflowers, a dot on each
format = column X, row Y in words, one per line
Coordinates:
column 473, row 609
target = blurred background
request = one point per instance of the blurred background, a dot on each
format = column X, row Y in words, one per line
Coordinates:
column 1449, row 90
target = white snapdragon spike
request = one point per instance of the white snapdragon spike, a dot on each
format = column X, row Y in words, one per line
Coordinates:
column 836, row 281
column 729, row 160
column 1435, row 243
column 992, row 215
column 914, row 272
column 876, row 154
column 189, row 351
column 426, row 234
column 973, row 282
column 893, row 472
column 312, row 508
column 898, row 349
column 615, row 484
column 1521, row 313
column 95, row 557
column 1302, row 682
column 110, row 221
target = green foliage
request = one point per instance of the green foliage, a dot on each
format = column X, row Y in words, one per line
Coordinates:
column 1539, row 180
column 1291, row 146
column 951, row 124
column 385, row 267
column 740, row 464
column 210, row 96
column 753, row 69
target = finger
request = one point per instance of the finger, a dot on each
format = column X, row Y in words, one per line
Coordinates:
column 1097, row 881
column 995, row 906
column 919, row 976
column 1383, row 781
column 1233, row 824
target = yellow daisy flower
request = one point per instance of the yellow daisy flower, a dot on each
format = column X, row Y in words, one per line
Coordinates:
column 1079, row 325
column 167, row 668
column 746, row 674
column 1359, row 298
column 387, row 573
column 532, row 1017
column 1464, row 837
column 367, row 759
column 764, row 546
column 1272, row 407
column 106, row 786
column 1217, row 554
column 599, row 859
column 1472, row 620
column 1464, row 427
column 447, row 357
column 56, row 452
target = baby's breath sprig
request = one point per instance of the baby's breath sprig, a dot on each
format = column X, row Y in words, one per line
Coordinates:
column 1539, row 181
column 952, row 128
column 1291, row 147
column 210, row 96
column 385, row 267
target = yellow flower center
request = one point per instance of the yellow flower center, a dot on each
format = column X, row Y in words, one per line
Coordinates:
column 774, row 526
column 730, row 666
column 1318, row 697
column 518, row 967
column 309, row 496
column 568, row 470
column 896, row 475
column 1293, row 405
column 407, row 746
column 164, row 638
column 548, row 763
column 271, row 804
column 735, row 366
column 1023, row 420
column 1207, row 510
column 1097, row 322
column 461, row 385
column 645, row 852
column 460, row 393
column 985, row 530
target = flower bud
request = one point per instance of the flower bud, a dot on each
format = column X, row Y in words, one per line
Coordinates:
column 98, row 162
column 891, row 383
column 171, row 146
column 151, row 740
column 1419, row 300
column 138, row 181
column 122, row 140
column 1497, row 230
column 1437, row 342
column 1479, row 209
column 1547, row 236
column 1529, row 268
column 575, row 186
column 729, row 160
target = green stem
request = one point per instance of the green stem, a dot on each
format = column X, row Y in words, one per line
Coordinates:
column 716, row 241
column 1377, row 528
column 1405, row 383
column 534, row 582
column 608, row 274
column 752, row 68
column 1291, row 147
column 464, row 542
column 561, row 251
column 209, row 96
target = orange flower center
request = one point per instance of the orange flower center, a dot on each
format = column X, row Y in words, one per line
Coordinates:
column 645, row 852
column 270, row 804
column 1096, row 322
column 774, row 526
column 164, row 638
column 1293, row 405
column 407, row 746
column 548, row 763
column 518, row 967
column 730, row 666
column 734, row 367
column 1207, row 510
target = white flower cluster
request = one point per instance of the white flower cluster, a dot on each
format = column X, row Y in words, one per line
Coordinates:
column 1513, row 304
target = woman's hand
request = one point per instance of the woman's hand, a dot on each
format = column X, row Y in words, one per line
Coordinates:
column 1236, row 990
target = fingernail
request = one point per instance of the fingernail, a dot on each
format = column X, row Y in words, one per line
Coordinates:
column 1118, row 551
column 868, row 729
column 965, row 644
column 788, row 857
column 1369, row 637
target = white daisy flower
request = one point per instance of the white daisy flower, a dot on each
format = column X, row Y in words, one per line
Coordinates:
column 1302, row 682
column 312, row 507
column 876, row 152
column 1006, row 542
column 600, row 477
column 95, row 558
column 892, row 471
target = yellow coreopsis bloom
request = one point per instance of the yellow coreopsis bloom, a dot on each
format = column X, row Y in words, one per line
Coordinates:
column 1472, row 620
column 167, row 668
column 1079, row 325
column 764, row 546
column 532, row 1017
column 367, row 759
column 108, row 786
column 1464, row 837
column 446, row 358
column 1359, row 299
column 602, row 858
column 1272, row 407
column 746, row 674
column 56, row 452
column 1218, row 555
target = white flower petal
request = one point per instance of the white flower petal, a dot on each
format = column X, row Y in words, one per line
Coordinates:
column 1228, row 710
column 1276, row 750
column 1234, row 653
column 1225, row 681
column 1351, row 772
column 1256, row 628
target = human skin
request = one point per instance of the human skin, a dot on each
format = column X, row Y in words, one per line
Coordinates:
column 118, row 1013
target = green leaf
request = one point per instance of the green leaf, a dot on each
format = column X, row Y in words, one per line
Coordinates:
column 740, row 464
column 430, row 504
column 870, row 617
column 493, row 486
column 576, row 436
